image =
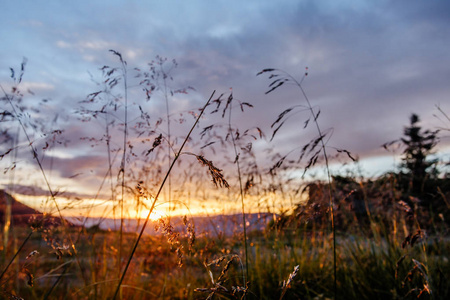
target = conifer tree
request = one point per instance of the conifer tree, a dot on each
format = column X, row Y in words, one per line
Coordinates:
column 419, row 145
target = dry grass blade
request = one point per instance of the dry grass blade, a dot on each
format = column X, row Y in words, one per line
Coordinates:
column 119, row 55
column 287, row 283
column 216, row 173
column 29, row 277
column 156, row 143
column 281, row 115
column 276, row 130
column 32, row 253
column 412, row 239
column 397, row 265
column 230, row 98
column 13, row 297
column 225, row 269
column 190, row 228
column 348, row 154
column 265, row 71
column 218, row 283
column 172, row 238
column 419, row 269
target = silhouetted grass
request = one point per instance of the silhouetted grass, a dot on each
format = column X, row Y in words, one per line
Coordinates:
column 382, row 246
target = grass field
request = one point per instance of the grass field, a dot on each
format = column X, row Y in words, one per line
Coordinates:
column 368, row 268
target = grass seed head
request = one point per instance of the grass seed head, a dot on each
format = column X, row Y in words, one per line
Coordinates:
column 216, row 173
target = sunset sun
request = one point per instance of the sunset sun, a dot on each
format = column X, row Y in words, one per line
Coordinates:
column 154, row 216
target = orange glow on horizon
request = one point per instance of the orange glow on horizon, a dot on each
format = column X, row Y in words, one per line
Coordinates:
column 154, row 216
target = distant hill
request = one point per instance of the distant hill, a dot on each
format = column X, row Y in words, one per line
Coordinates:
column 212, row 226
column 21, row 213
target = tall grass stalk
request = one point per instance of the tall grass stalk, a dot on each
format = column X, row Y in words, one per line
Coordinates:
column 286, row 77
column 124, row 158
column 15, row 254
column 157, row 196
column 110, row 163
column 108, row 139
column 169, row 148
column 319, row 131
column 241, row 190
column 8, row 210
column 169, row 160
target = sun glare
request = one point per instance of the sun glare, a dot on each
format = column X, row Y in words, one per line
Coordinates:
column 154, row 216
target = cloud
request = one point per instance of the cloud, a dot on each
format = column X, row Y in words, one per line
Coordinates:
column 33, row 190
column 77, row 166
column 86, row 45
column 371, row 64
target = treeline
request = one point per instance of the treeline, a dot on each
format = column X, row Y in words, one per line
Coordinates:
column 416, row 197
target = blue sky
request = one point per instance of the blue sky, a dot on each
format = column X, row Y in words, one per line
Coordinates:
column 371, row 63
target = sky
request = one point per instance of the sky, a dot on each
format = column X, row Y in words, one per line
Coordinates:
column 370, row 64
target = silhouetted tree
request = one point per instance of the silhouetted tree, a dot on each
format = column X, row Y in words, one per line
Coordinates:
column 419, row 145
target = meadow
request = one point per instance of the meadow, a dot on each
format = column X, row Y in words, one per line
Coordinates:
column 341, row 236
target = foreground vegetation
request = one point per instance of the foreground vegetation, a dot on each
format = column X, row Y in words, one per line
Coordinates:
column 294, row 263
column 353, row 238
